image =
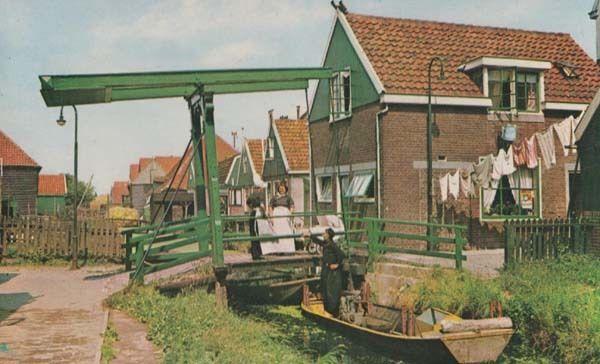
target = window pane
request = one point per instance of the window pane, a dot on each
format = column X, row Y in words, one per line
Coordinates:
column 531, row 78
column 359, row 185
column 325, row 191
column 494, row 75
column 347, row 93
column 506, row 95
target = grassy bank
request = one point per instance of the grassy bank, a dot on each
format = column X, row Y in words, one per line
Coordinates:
column 555, row 306
column 191, row 329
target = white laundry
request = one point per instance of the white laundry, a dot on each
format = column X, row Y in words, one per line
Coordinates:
column 466, row 184
column 504, row 164
column 454, row 184
column 521, row 179
column 444, row 187
column 280, row 226
column 546, row 142
column 489, row 194
column 565, row 132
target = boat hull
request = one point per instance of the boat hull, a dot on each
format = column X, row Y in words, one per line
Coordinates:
column 454, row 348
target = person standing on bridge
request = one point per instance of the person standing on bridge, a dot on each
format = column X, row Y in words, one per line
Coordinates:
column 256, row 212
column 331, row 273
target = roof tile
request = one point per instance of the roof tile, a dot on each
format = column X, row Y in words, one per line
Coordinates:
column 294, row 139
column 52, row 185
column 12, row 154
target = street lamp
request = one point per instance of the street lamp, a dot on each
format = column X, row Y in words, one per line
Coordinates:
column 75, row 240
column 430, row 129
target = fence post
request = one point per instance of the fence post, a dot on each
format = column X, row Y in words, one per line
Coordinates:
column 128, row 250
column 373, row 242
column 139, row 262
column 458, row 247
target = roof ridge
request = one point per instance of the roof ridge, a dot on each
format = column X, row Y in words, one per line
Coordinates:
column 465, row 25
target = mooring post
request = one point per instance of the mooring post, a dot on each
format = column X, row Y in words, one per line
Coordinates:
column 214, row 200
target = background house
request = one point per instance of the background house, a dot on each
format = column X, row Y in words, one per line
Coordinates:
column 368, row 122
column 52, row 194
column 149, row 175
column 18, row 179
column 119, row 193
column 287, row 160
column 245, row 175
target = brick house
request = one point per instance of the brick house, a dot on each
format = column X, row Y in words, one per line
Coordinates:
column 119, row 193
column 18, row 179
column 52, row 194
column 245, row 175
column 287, row 160
column 368, row 123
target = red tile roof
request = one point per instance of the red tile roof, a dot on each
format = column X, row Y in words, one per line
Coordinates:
column 117, row 191
column 11, row 154
column 294, row 139
column 134, row 170
column 144, row 162
column 255, row 147
column 224, row 149
column 52, row 185
column 400, row 49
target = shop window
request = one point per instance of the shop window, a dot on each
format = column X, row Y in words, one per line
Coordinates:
column 362, row 188
column 515, row 196
column 340, row 105
column 324, row 188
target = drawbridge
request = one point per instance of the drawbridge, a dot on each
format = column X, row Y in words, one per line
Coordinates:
column 164, row 245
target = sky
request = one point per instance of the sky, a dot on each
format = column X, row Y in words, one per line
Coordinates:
column 71, row 37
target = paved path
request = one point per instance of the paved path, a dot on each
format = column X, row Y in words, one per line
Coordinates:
column 132, row 345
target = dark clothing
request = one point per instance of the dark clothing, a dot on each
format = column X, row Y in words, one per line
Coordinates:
column 255, row 244
column 282, row 200
column 332, row 279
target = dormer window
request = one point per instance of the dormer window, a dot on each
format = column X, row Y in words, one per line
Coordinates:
column 340, row 105
column 513, row 89
column 567, row 69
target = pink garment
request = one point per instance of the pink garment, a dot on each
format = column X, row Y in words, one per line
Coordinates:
column 520, row 153
column 531, row 152
column 546, row 142
column 454, row 184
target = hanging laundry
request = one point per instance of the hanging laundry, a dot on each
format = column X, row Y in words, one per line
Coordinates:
column 521, row 179
column 444, row 187
column 482, row 171
column 466, row 184
column 546, row 142
column 531, row 151
column 454, row 184
column 509, row 133
column 564, row 130
column 520, row 153
column 504, row 164
column 489, row 194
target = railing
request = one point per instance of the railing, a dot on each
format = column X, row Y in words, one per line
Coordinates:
column 378, row 232
column 536, row 239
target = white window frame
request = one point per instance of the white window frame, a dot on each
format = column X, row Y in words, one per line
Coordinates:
column 360, row 196
column 514, row 71
column 337, row 96
column 320, row 197
column 270, row 154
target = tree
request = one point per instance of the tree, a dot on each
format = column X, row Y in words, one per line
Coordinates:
column 88, row 192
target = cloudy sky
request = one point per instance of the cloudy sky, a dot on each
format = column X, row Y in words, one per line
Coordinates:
column 63, row 37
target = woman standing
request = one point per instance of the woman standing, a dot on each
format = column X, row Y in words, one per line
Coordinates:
column 281, row 199
column 331, row 273
column 256, row 212
column 281, row 207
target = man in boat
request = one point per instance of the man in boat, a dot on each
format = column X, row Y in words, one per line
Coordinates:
column 331, row 273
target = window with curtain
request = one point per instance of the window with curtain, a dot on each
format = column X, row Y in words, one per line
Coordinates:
column 513, row 196
column 513, row 89
column 362, row 187
column 340, row 96
column 324, row 188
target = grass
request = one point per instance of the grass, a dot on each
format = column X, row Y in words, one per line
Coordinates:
column 107, row 350
column 554, row 305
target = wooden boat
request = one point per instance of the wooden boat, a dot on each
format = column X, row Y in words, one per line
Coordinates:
column 429, row 343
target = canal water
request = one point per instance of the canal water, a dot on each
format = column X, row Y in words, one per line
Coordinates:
column 304, row 335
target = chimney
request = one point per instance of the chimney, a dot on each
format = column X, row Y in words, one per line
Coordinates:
column 594, row 16
column 297, row 112
column 270, row 117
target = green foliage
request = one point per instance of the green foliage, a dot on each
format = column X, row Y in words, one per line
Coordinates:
column 554, row 305
column 191, row 329
column 110, row 337
column 82, row 187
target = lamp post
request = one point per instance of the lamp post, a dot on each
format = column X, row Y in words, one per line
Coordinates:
column 430, row 147
column 75, row 237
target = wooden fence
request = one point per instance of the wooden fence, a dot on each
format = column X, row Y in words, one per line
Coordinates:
column 44, row 236
column 532, row 239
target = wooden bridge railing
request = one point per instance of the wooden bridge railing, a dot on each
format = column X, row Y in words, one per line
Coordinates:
column 379, row 236
column 535, row 239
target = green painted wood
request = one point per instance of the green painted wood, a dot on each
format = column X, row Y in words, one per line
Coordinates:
column 51, row 205
column 340, row 55
column 274, row 168
column 172, row 263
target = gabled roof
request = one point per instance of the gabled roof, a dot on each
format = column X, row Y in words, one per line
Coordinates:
column 52, row 185
column 224, row 149
column 399, row 51
column 256, row 154
column 118, row 190
column 134, row 170
column 11, row 154
column 225, row 167
column 292, row 136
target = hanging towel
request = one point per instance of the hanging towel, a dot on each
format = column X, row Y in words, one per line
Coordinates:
column 546, row 142
column 531, row 152
column 482, row 171
column 564, row 130
column 466, row 185
column 503, row 164
column 522, row 179
column 454, row 184
column 444, row 187
column 489, row 194
column 520, row 153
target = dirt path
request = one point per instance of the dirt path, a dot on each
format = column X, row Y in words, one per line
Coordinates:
column 132, row 345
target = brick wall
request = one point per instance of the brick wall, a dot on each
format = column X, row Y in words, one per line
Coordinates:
column 21, row 183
